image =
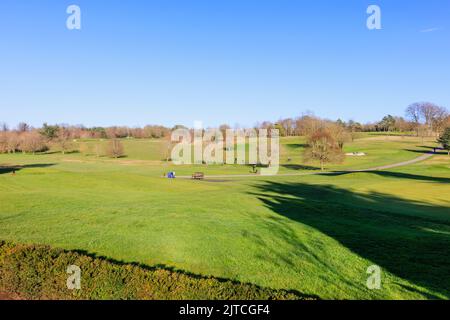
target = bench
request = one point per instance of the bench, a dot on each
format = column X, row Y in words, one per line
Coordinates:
column 198, row 176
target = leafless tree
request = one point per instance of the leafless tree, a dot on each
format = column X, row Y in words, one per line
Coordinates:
column 429, row 114
column 323, row 147
column 3, row 142
column 84, row 148
column 413, row 112
column 439, row 121
column 98, row 150
column 340, row 134
column 115, row 149
column 64, row 140
column 308, row 124
column 23, row 127
column 32, row 142
column 13, row 142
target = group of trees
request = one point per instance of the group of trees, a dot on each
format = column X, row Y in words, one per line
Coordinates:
column 25, row 138
column 305, row 125
column 389, row 123
column 326, row 139
column 424, row 118
column 82, row 132
column 30, row 140
column 427, row 118
column 27, row 142
column 147, row 132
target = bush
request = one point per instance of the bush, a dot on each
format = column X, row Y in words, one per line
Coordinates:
column 39, row 272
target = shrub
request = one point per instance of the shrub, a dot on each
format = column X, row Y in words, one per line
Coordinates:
column 39, row 272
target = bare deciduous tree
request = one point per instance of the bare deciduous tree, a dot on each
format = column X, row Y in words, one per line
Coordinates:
column 32, row 142
column 98, row 150
column 413, row 113
column 64, row 140
column 84, row 148
column 23, row 127
column 115, row 149
column 340, row 134
column 3, row 142
column 13, row 142
column 429, row 114
column 323, row 147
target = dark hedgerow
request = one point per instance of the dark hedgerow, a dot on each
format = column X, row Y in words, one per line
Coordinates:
column 39, row 272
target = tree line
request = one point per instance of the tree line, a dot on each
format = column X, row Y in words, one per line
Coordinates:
column 422, row 119
column 25, row 138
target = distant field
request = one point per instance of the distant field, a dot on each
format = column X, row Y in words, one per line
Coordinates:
column 152, row 153
column 315, row 234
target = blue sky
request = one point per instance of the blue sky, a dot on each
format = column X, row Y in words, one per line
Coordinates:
column 219, row 61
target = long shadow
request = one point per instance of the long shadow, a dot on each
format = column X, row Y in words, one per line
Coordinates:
column 296, row 145
column 398, row 175
column 438, row 151
column 299, row 167
column 13, row 169
column 375, row 226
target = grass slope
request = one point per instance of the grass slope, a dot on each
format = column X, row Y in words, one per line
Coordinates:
column 313, row 234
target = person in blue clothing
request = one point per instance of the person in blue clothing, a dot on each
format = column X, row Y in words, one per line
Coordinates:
column 171, row 175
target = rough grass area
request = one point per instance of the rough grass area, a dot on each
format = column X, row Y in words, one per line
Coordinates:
column 39, row 272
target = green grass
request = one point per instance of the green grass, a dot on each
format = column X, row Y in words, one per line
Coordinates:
column 313, row 234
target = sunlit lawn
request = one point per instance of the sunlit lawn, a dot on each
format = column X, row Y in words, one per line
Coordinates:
column 314, row 234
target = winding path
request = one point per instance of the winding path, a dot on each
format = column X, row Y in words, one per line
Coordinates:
column 399, row 164
column 389, row 166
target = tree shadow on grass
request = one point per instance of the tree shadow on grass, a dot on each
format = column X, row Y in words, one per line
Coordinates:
column 180, row 271
column 12, row 169
column 296, row 145
column 438, row 151
column 299, row 167
column 398, row 175
column 375, row 226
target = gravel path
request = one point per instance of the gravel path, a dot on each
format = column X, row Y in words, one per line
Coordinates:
column 399, row 164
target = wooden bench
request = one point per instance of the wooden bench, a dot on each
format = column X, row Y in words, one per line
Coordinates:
column 198, row 176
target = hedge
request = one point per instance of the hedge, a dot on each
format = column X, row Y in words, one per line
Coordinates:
column 39, row 272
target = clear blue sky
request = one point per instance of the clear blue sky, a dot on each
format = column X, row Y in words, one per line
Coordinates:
column 219, row 61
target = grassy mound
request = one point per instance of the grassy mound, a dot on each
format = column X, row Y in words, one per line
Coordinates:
column 39, row 272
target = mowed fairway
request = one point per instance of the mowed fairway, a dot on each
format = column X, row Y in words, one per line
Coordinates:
column 316, row 234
